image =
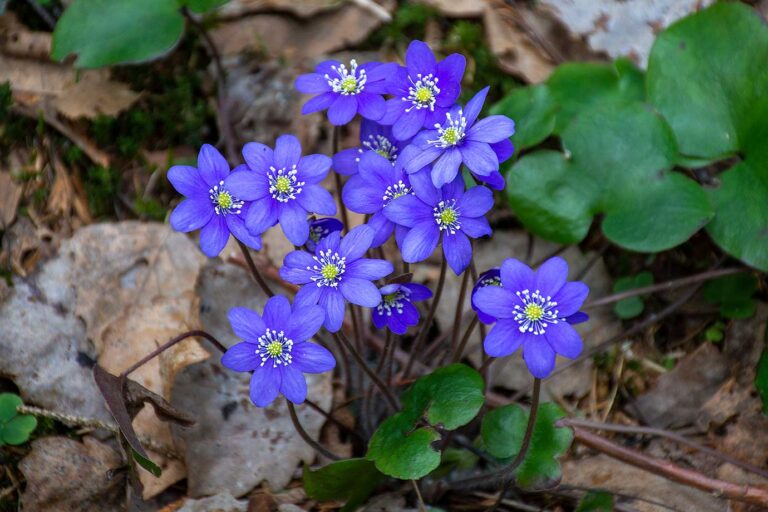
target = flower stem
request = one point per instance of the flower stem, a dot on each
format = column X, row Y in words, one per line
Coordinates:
column 467, row 333
column 391, row 399
column 459, row 310
column 255, row 271
column 162, row 348
column 337, row 178
column 306, row 437
column 428, row 322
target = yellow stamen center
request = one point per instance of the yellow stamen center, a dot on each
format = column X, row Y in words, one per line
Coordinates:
column 448, row 216
column 275, row 349
column 283, row 184
column 424, row 94
column 450, row 136
column 224, row 200
column 349, row 84
column 533, row 312
column 329, row 271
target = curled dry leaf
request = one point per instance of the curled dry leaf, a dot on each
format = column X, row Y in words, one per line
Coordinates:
column 300, row 8
column 457, row 8
column 65, row 475
column 10, row 194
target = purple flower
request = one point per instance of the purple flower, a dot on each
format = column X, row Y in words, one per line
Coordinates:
column 461, row 140
column 276, row 350
column 345, row 91
column 449, row 212
column 373, row 137
column 490, row 277
column 213, row 202
column 375, row 187
column 321, row 228
column 534, row 310
column 337, row 273
column 396, row 309
column 423, row 90
column 284, row 186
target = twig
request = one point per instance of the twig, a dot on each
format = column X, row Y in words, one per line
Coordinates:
column 668, row 285
column 45, row 15
column 375, row 9
column 670, row 471
column 255, row 271
column 422, row 506
column 329, row 416
column 391, row 398
column 162, row 348
column 428, row 322
column 306, row 437
column 631, row 429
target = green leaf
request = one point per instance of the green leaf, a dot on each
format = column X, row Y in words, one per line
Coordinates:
column 533, row 110
column 633, row 306
column 503, row 430
column 103, row 33
column 402, row 445
column 15, row 428
column 201, row 6
column 351, row 480
column 733, row 294
column 146, row 463
column 578, row 87
column 740, row 225
column 596, row 501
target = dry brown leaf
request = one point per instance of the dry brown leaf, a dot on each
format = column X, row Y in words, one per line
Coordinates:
column 457, row 8
column 10, row 195
column 300, row 8
column 64, row 475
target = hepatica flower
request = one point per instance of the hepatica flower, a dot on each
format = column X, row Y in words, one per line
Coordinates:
column 321, row 228
column 373, row 137
column 458, row 139
column 448, row 213
column 534, row 310
column 346, row 90
column 396, row 309
column 276, row 350
column 490, row 277
column 337, row 273
column 423, row 90
column 283, row 186
column 213, row 203
column 372, row 190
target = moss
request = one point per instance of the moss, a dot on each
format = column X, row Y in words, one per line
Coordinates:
column 101, row 187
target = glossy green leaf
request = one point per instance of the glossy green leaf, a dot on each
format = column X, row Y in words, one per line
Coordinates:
column 533, row 109
column 351, row 480
column 146, row 463
column 733, row 294
column 596, row 501
column 578, row 87
column 107, row 32
column 633, row 306
column 15, row 428
column 503, row 430
column 449, row 397
column 201, row 6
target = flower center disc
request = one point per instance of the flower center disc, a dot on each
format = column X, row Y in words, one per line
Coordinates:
column 275, row 349
column 450, row 136
column 533, row 312
column 349, row 84
column 329, row 271
column 283, row 184
column 424, row 95
column 448, row 216
column 224, row 200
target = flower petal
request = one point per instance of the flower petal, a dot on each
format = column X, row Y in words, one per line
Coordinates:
column 261, row 215
column 382, row 229
column 321, row 102
column 191, row 214
column 423, row 187
column 570, row 297
column 356, row 242
column 293, row 220
column 495, row 301
column 415, row 158
column 258, row 156
column 345, row 162
column 187, row 181
column 476, row 202
column 446, row 167
column 492, row 129
column 479, row 157
column 450, row 70
column 503, row 339
column 409, row 123
column 295, row 267
column 457, row 251
column 368, row 269
column 342, row 110
column 333, row 304
column 293, row 384
column 516, row 276
column 214, row 236
column 308, row 295
column 504, row 150
column 418, row 292
column 539, row 356
column 247, row 185
column 360, row 196
column 316, row 199
column 312, row 358
column 287, row 151
column 236, row 226
column 419, row 60
column 359, row 291
column 241, row 357
column 312, row 83
column 577, row 318
column 371, row 106
column 277, row 312
column 212, row 166
column 476, row 227
column 304, row 323
column 564, row 339
column 246, row 323
column 551, row 276
column 474, row 106
column 408, row 211
column 313, row 168
column 420, row 242
column 265, row 385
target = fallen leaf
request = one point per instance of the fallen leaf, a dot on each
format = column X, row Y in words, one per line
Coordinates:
column 621, row 28
column 457, row 8
column 10, row 195
column 235, row 445
column 677, row 397
column 223, row 502
column 22, row 244
column 65, row 475
column 300, row 8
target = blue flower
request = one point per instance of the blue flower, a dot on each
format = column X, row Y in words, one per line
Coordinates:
column 213, row 202
column 373, row 137
column 423, row 90
column 321, row 228
column 396, row 309
column 284, row 186
column 370, row 191
column 460, row 139
column 345, row 91
column 490, row 277
column 448, row 212
column 276, row 350
column 534, row 310
column 337, row 273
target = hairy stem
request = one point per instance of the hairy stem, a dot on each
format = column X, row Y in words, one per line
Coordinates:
column 162, row 348
column 325, row 452
column 467, row 333
column 391, row 399
column 428, row 322
column 459, row 310
column 255, row 271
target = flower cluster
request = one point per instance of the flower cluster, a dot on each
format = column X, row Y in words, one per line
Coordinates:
column 406, row 178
